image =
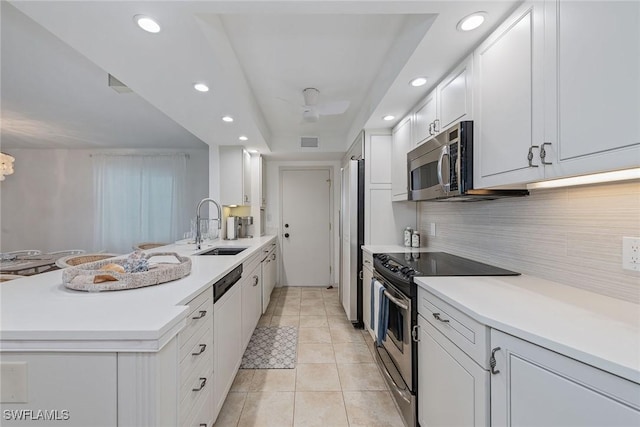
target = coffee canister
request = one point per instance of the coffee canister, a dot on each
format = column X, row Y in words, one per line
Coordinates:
column 407, row 236
column 415, row 239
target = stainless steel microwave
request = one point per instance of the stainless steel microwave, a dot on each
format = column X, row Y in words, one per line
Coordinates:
column 442, row 168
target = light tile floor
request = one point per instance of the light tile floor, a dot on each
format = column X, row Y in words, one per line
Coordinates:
column 335, row 383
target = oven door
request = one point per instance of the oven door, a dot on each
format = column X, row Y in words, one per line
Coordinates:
column 397, row 342
column 394, row 356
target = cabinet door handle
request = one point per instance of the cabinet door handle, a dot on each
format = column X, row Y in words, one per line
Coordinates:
column 273, row 257
column 203, row 382
column 492, row 361
column 203, row 425
column 415, row 333
column 256, row 280
column 436, row 123
column 543, row 153
column 430, row 129
column 366, row 261
column 201, row 315
column 203, row 347
column 437, row 316
column 530, row 156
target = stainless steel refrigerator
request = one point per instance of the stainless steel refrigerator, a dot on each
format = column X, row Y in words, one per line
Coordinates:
column 352, row 239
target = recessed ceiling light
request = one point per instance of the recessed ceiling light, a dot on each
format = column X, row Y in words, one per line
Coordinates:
column 418, row 81
column 227, row 119
column 201, row 87
column 471, row 22
column 146, row 23
column 388, row 117
column 243, row 138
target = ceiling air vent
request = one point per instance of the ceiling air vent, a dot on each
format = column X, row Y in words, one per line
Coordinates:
column 309, row 141
column 118, row 86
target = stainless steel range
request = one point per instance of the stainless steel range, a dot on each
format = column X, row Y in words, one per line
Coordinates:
column 397, row 356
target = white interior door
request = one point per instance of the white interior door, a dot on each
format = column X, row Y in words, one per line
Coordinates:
column 305, row 227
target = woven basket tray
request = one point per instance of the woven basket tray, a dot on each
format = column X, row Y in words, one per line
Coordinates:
column 81, row 277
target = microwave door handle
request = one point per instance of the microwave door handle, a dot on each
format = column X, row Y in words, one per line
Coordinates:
column 444, row 152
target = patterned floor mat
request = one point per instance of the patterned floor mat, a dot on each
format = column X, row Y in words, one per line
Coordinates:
column 273, row 347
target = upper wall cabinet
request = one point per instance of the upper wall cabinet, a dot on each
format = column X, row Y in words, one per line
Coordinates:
column 455, row 96
column 401, row 145
column 450, row 102
column 425, row 119
column 508, row 100
column 235, row 176
column 592, row 86
column 553, row 97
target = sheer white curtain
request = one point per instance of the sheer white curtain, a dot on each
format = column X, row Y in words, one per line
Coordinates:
column 139, row 198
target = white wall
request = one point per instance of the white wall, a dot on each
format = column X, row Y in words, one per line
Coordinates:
column 571, row 235
column 273, row 202
column 48, row 204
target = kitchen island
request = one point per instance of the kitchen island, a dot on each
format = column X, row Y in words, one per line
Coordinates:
column 112, row 358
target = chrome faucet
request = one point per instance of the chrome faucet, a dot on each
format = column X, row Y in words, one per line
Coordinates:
column 198, row 233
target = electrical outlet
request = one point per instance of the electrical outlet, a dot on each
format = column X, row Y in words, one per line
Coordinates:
column 432, row 229
column 631, row 253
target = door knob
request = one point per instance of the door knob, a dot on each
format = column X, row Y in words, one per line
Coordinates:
column 286, row 235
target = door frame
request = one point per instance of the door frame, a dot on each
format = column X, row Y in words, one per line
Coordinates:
column 330, row 170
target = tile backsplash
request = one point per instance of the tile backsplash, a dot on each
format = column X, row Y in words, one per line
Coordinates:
column 571, row 235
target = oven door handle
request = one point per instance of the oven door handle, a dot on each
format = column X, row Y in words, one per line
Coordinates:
column 396, row 301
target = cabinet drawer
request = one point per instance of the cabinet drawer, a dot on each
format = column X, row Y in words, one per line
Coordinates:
column 201, row 311
column 193, row 390
column 367, row 259
column 469, row 335
column 201, row 347
column 201, row 415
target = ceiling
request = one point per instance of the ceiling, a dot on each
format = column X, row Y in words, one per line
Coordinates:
column 256, row 56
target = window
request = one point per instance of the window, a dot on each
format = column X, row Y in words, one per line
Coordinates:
column 139, row 198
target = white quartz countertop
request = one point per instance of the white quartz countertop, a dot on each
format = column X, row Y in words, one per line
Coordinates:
column 600, row 331
column 39, row 313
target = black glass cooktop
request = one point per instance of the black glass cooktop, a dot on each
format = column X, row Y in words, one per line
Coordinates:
column 444, row 264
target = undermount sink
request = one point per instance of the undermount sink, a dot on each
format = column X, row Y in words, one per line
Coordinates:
column 223, row 251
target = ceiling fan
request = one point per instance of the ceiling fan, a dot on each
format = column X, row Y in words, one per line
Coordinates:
column 311, row 110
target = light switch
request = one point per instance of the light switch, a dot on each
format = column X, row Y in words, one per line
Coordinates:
column 13, row 382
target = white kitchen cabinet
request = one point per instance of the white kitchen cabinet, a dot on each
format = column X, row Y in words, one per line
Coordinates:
column 384, row 220
column 251, row 284
column 235, row 176
column 367, row 276
column 400, row 146
column 448, row 103
column 508, row 100
column 263, row 182
column 453, row 376
column 80, row 387
column 269, row 273
column 195, row 357
column 592, row 86
column 554, row 98
column 228, row 343
column 455, row 96
column 425, row 119
column 453, row 389
column 534, row 386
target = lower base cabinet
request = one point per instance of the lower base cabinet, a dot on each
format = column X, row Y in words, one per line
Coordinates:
column 538, row 387
column 227, row 336
column 251, row 284
column 453, row 389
